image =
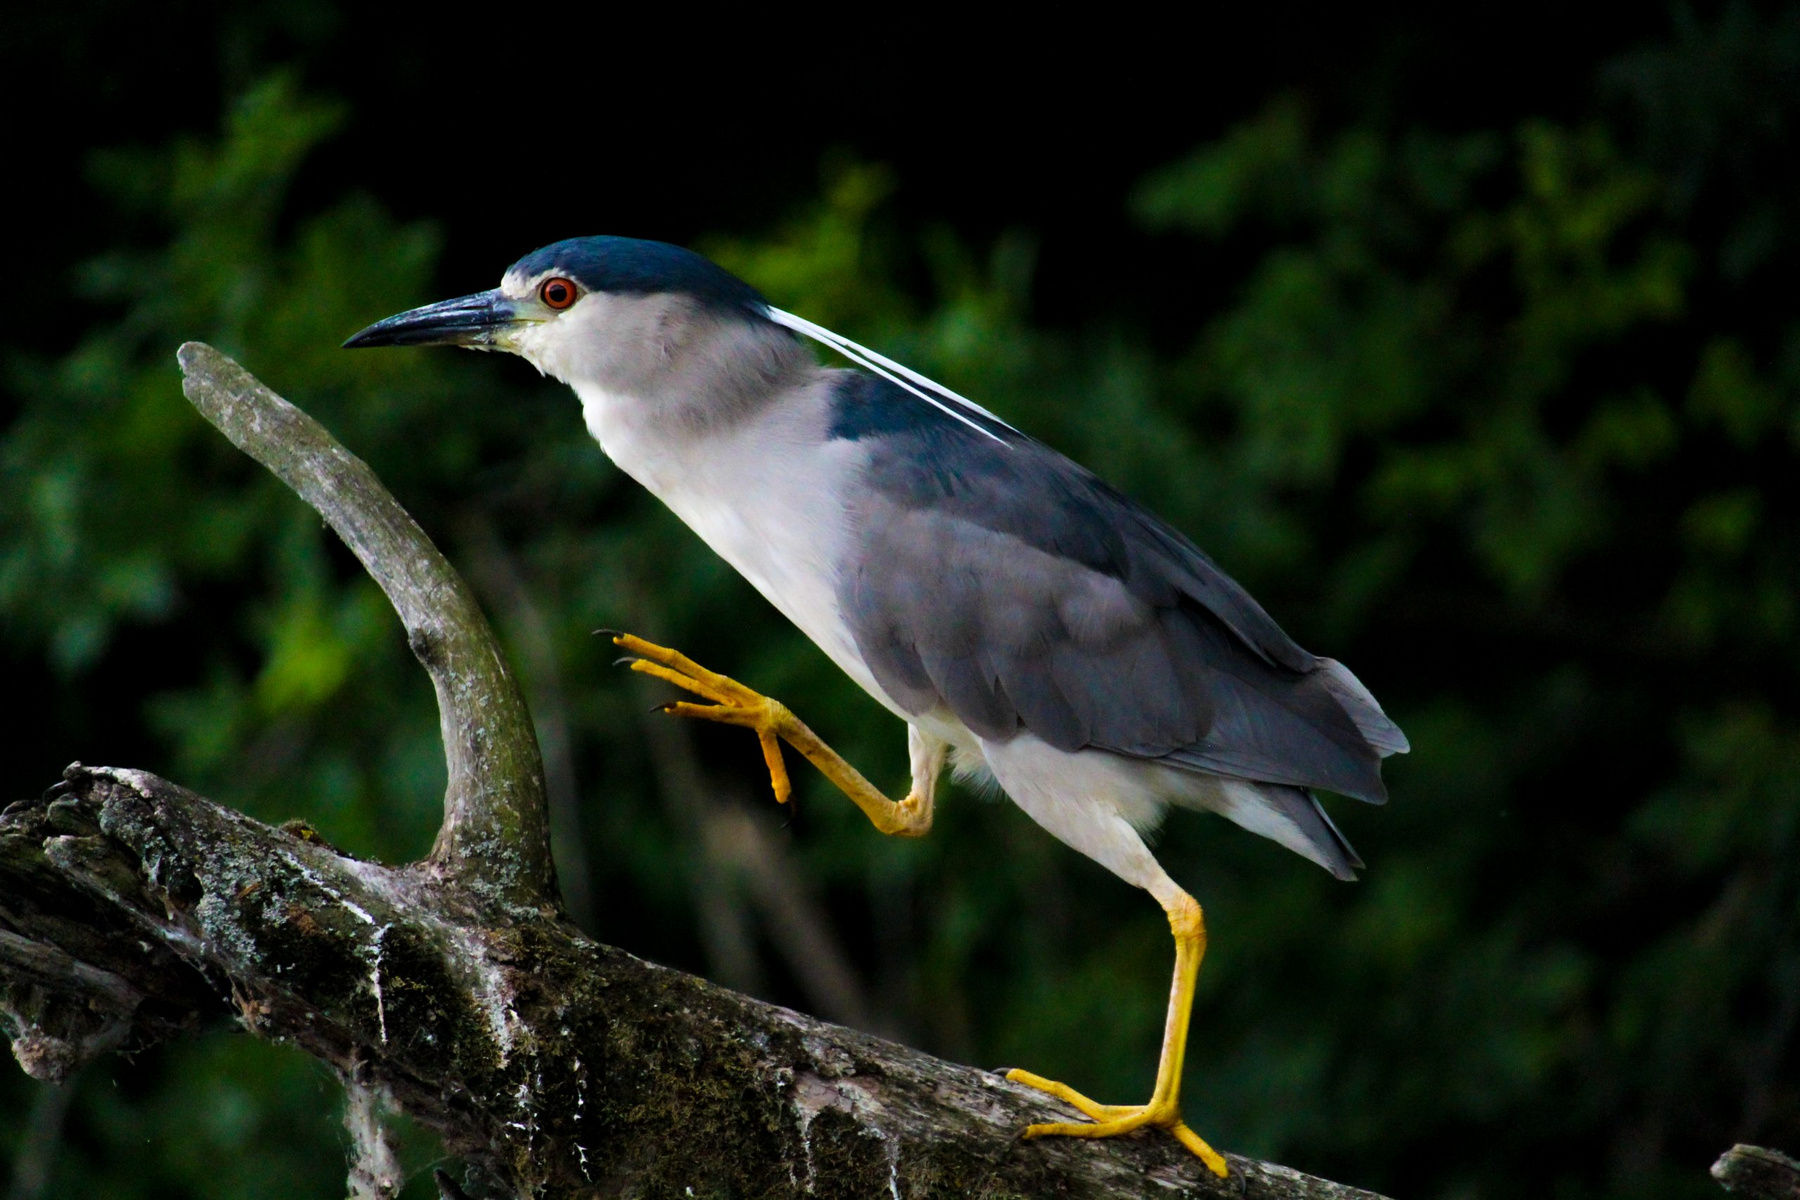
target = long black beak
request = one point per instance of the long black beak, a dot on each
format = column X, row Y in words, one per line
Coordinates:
column 465, row 321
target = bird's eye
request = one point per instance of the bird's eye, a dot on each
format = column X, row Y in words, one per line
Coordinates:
column 558, row 293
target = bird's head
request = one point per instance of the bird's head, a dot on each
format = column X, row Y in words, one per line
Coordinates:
column 617, row 317
column 591, row 308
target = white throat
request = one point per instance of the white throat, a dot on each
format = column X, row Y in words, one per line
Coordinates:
column 626, row 429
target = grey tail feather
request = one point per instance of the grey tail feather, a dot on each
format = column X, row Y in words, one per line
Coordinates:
column 1343, row 843
column 1331, row 849
column 1360, row 705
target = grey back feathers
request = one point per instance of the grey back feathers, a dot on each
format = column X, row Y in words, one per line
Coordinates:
column 996, row 577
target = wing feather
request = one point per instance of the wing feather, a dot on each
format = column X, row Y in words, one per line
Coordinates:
column 994, row 576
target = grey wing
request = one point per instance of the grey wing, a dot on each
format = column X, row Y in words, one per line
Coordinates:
column 1000, row 579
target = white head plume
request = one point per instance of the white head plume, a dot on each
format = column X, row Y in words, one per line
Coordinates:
column 945, row 400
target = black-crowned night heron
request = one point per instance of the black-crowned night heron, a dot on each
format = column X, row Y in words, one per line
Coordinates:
column 1023, row 618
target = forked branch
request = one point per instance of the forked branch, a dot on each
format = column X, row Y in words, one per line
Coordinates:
column 496, row 835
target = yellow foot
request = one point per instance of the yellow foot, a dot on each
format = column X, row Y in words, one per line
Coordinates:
column 1111, row 1120
column 735, row 704
column 732, row 702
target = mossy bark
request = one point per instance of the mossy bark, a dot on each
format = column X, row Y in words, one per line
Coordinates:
column 132, row 910
column 555, row 1065
column 1757, row 1173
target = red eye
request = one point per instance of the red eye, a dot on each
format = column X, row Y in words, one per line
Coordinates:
column 558, row 293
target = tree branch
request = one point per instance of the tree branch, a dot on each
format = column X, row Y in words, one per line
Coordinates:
column 1758, row 1174
column 555, row 1064
column 131, row 909
column 495, row 837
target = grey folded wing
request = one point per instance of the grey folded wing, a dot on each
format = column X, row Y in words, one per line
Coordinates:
column 993, row 575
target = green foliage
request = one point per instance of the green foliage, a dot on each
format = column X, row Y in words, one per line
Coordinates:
column 1493, row 415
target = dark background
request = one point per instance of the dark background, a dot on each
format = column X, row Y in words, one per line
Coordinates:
column 1465, row 340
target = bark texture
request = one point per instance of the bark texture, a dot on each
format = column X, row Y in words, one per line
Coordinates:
column 1758, row 1173
column 454, row 989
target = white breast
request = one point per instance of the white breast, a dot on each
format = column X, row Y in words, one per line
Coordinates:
column 763, row 494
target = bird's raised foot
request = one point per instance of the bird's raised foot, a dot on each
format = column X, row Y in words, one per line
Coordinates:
column 735, row 704
column 1111, row 1120
column 732, row 702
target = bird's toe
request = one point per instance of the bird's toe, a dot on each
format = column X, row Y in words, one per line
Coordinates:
column 1112, row 1120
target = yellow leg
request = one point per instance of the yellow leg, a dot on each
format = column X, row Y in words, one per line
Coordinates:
column 1164, row 1109
column 735, row 704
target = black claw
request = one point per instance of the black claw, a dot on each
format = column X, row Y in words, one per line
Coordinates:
column 628, row 658
column 608, row 633
column 663, row 708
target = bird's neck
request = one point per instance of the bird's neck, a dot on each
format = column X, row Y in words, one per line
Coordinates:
column 691, row 398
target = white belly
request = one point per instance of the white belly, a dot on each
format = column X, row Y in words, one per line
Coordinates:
column 764, row 496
